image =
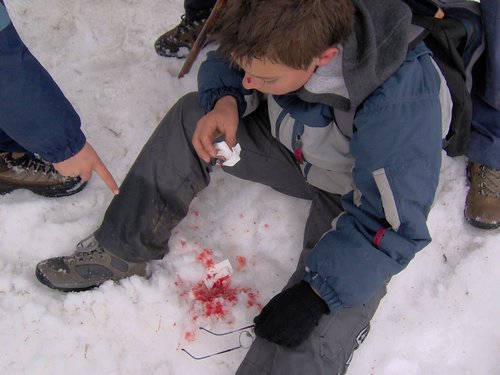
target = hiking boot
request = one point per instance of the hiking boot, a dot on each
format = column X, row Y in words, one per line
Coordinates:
column 482, row 207
column 179, row 41
column 23, row 171
column 88, row 268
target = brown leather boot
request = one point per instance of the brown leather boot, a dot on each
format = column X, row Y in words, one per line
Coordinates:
column 482, row 207
column 23, row 171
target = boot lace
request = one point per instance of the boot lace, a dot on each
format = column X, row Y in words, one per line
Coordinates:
column 87, row 250
column 490, row 181
column 29, row 163
column 187, row 25
column 88, row 256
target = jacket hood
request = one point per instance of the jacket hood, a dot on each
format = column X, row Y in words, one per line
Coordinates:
column 373, row 52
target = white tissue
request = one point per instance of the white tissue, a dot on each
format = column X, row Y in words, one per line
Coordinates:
column 217, row 272
column 231, row 157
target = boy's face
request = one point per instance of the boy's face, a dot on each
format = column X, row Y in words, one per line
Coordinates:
column 276, row 79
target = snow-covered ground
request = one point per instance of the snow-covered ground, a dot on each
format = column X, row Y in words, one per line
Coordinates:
column 440, row 316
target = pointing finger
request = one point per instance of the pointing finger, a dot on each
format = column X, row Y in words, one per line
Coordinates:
column 106, row 176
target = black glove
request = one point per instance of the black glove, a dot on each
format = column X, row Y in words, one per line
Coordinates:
column 290, row 316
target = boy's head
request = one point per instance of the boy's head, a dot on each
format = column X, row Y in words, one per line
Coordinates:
column 279, row 43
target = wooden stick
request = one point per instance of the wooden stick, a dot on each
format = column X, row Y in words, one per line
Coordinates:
column 201, row 39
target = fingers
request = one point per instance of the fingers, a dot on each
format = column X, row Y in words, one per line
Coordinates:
column 200, row 150
column 95, row 163
column 83, row 163
column 207, row 144
column 203, row 138
column 106, row 176
column 222, row 120
column 230, row 138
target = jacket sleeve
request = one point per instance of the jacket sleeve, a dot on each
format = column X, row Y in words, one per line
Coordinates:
column 33, row 110
column 397, row 151
column 216, row 78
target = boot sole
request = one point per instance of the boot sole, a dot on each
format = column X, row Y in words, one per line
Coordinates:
column 41, row 277
column 45, row 281
column 44, row 191
column 481, row 225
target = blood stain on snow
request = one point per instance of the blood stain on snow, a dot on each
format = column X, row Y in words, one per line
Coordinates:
column 189, row 336
column 252, row 299
column 241, row 262
column 206, row 258
column 215, row 302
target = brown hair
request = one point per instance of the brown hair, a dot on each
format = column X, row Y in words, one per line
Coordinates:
column 289, row 32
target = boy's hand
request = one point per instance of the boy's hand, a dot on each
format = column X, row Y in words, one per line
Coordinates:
column 222, row 120
column 83, row 163
column 290, row 316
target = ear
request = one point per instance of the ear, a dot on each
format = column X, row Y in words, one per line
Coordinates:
column 327, row 55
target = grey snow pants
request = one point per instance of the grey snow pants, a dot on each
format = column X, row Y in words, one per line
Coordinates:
column 155, row 197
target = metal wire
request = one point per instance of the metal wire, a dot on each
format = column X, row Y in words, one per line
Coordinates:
column 227, row 333
column 245, row 340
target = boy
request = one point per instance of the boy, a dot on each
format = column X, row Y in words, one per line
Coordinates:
column 284, row 67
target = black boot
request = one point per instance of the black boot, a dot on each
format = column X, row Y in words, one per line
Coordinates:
column 178, row 41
